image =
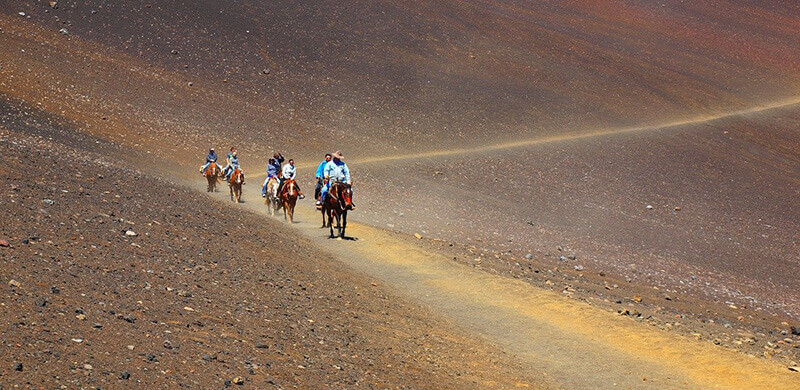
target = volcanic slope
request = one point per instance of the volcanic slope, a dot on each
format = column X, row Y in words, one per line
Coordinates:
column 723, row 193
column 387, row 77
column 115, row 279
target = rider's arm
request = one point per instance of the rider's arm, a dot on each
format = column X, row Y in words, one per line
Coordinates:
column 346, row 172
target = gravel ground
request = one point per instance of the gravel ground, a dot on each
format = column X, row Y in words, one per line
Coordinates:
column 112, row 279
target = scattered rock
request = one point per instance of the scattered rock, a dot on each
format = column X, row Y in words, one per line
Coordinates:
column 49, row 202
column 265, row 71
column 22, row 14
column 529, row 256
column 167, row 344
column 88, row 367
column 794, row 368
column 77, row 340
column 4, row 243
column 130, row 233
column 562, row 258
column 14, row 283
column 637, row 299
column 649, row 207
column 125, row 375
column 97, row 326
column 174, row 51
column 53, row 4
column 677, row 208
column 578, row 268
column 81, row 317
column 191, row 83
column 63, row 31
column 796, row 331
column 418, row 236
column 55, row 290
column 17, row 366
column 238, row 381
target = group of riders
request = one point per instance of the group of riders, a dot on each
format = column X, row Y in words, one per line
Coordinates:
column 331, row 170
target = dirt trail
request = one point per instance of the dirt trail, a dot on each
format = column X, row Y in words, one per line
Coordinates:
column 578, row 345
column 544, row 140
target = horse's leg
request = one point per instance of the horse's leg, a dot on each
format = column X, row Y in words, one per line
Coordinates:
column 330, row 222
column 344, row 223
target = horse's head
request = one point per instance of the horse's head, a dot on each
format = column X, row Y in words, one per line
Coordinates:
column 346, row 194
column 289, row 188
column 237, row 175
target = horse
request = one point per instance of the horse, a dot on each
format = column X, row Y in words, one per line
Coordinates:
column 336, row 204
column 235, row 184
column 272, row 195
column 212, row 174
column 288, row 198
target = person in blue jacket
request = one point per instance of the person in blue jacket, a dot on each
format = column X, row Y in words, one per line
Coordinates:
column 321, row 175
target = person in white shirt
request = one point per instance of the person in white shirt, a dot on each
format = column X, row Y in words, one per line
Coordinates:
column 289, row 172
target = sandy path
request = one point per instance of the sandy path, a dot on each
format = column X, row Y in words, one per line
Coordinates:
column 505, row 146
column 578, row 345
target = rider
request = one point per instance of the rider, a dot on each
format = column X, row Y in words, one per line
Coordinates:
column 273, row 170
column 278, row 159
column 211, row 157
column 335, row 170
column 321, row 175
column 233, row 164
column 289, row 172
column 225, row 171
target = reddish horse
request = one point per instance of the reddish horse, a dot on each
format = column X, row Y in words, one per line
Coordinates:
column 336, row 204
column 212, row 174
column 288, row 198
column 235, row 184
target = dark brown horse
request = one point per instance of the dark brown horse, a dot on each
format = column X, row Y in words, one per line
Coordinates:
column 336, row 204
column 235, row 184
column 212, row 174
column 288, row 198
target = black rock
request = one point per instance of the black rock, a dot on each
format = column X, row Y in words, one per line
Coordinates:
column 125, row 375
column 55, row 290
column 17, row 366
column 41, row 302
column 795, row 331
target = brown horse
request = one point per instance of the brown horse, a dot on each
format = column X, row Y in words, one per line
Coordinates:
column 288, row 197
column 212, row 174
column 235, row 184
column 336, row 204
